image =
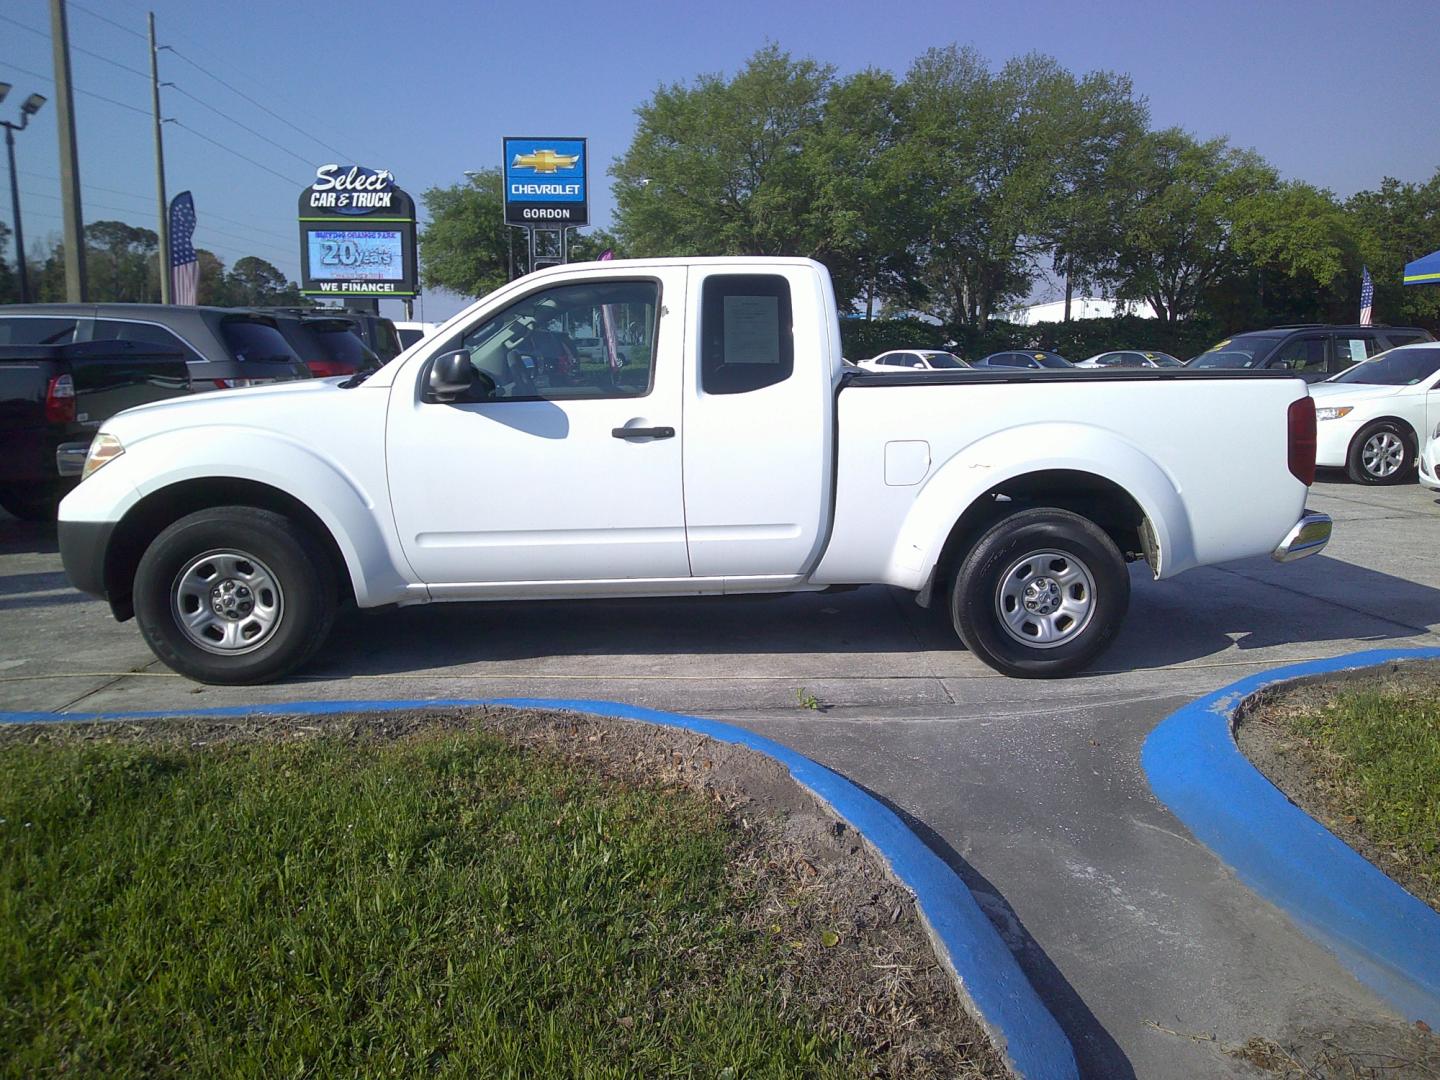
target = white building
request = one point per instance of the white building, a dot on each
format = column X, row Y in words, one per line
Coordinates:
column 1081, row 307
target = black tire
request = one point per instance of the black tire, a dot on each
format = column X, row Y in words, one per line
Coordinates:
column 1373, row 454
column 35, row 503
column 1084, row 581
column 291, row 589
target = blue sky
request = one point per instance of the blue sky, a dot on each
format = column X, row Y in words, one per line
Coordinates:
column 1338, row 94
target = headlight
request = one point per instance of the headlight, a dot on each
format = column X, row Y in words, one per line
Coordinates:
column 1334, row 412
column 103, row 449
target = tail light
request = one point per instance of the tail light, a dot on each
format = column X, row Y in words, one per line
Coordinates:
column 1301, row 425
column 60, row 400
column 324, row 369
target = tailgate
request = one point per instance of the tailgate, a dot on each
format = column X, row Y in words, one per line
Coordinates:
column 114, row 375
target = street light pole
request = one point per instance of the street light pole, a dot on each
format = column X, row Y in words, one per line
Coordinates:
column 15, row 206
column 30, row 107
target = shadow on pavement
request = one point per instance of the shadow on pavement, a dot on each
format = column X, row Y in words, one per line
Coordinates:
column 1251, row 605
column 1096, row 1052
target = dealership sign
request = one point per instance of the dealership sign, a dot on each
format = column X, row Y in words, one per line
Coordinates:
column 357, row 234
column 546, row 183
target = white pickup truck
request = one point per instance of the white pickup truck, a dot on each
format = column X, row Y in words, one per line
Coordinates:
column 716, row 445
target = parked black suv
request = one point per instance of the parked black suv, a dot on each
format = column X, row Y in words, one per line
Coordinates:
column 378, row 333
column 1313, row 351
column 223, row 347
column 329, row 346
column 52, row 400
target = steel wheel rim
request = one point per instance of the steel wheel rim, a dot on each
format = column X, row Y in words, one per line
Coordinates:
column 227, row 602
column 1045, row 599
column 1382, row 454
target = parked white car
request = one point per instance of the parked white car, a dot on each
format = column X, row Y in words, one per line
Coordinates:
column 731, row 454
column 411, row 332
column 1430, row 461
column 1372, row 419
column 914, row 360
column 1130, row 358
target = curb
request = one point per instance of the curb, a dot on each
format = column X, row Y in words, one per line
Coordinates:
column 985, row 971
column 1386, row 937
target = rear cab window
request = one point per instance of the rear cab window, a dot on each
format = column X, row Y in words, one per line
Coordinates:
column 746, row 332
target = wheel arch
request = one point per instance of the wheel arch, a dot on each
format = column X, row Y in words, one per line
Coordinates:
column 1407, row 430
column 158, row 510
column 1101, row 477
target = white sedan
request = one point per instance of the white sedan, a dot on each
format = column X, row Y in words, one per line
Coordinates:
column 1374, row 418
column 914, row 360
column 1430, row 462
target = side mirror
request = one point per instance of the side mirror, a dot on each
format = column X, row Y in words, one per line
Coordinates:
column 453, row 376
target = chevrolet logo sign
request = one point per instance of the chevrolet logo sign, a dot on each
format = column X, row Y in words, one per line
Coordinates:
column 545, row 161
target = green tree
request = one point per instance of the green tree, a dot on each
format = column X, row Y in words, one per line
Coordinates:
column 465, row 247
column 588, row 246
column 1395, row 225
column 120, row 263
column 254, row 282
column 9, row 283
column 719, row 168
column 1178, row 241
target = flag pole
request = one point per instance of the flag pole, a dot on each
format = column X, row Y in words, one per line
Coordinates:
column 160, row 169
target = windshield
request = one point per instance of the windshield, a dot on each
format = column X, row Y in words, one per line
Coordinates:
column 1160, row 359
column 1051, row 360
column 943, row 360
column 1244, row 351
column 1399, row 367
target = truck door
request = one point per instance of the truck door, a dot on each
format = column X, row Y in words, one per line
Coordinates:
column 758, row 422
column 569, row 468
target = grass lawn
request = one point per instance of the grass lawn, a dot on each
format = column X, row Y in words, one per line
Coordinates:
column 445, row 904
column 1375, row 753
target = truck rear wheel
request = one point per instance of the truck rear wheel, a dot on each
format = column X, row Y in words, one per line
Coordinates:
column 1041, row 594
column 234, row 595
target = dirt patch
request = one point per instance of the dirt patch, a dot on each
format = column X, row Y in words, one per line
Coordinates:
column 1289, row 762
column 859, row 952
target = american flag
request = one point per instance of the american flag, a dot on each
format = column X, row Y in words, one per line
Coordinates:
column 1367, row 297
column 184, row 263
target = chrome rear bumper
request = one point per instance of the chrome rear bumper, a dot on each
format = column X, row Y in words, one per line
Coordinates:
column 1310, row 534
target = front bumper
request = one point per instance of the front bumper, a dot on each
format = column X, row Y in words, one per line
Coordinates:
column 1310, row 534
column 1430, row 465
column 83, row 545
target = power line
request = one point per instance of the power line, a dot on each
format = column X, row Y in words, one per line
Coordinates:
column 77, row 48
column 265, row 138
column 211, row 75
column 112, row 22
column 207, row 214
column 87, row 93
column 228, row 150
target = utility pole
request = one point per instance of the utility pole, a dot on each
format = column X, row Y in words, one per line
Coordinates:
column 160, row 168
column 76, row 291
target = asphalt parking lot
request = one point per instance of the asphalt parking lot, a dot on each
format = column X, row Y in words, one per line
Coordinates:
column 1142, row 944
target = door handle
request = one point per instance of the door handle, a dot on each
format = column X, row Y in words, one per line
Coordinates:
column 643, row 432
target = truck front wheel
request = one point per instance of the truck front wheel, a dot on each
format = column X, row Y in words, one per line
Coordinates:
column 1041, row 594
column 234, row 595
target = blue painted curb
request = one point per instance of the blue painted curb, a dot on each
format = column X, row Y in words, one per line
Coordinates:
column 1021, row 1026
column 1389, row 939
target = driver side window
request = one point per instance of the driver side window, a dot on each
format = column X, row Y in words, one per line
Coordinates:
column 570, row 342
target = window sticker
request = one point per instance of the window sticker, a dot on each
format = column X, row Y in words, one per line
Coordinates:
column 752, row 330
